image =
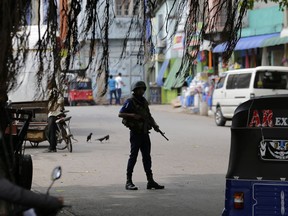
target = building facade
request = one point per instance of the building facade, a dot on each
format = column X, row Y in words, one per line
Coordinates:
column 263, row 42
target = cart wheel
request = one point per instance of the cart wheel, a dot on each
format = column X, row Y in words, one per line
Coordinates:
column 34, row 144
column 25, row 171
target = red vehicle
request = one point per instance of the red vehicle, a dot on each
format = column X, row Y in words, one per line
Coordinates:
column 80, row 90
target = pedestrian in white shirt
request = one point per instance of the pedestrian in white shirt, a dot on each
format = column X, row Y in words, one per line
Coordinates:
column 119, row 85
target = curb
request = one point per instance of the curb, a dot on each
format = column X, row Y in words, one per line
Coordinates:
column 187, row 110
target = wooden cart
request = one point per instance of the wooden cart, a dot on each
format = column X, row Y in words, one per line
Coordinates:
column 38, row 124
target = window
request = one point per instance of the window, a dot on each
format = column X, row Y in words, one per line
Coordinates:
column 238, row 81
column 32, row 17
column 220, row 83
column 126, row 7
column 80, row 85
column 231, row 82
column 243, row 81
column 271, row 80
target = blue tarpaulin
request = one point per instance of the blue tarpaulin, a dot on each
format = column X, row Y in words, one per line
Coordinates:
column 161, row 72
column 246, row 43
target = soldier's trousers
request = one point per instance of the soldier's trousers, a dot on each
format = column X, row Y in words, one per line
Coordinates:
column 139, row 141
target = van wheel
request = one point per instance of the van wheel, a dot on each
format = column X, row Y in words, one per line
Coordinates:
column 219, row 119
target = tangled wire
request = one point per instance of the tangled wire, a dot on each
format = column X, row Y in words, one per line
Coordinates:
column 97, row 18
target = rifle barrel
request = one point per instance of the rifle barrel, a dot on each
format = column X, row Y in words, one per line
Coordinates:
column 163, row 134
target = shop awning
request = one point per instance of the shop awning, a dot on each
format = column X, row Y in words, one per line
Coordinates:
column 246, row 43
column 181, row 76
column 173, row 80
column 274, row 41
column 161, row 73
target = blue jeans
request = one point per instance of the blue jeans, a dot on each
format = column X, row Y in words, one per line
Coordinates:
column 119, row 93
column 139, row 141
column 113, row 92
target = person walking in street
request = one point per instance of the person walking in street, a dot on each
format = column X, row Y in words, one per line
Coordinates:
column 55, row 107
column 112, row 88
column 119, row 85
column 137, row 117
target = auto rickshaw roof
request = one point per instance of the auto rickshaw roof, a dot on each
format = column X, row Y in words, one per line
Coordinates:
column 244, row 112
column 259, row 139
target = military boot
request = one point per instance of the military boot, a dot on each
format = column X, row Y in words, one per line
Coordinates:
column 129, row 184
column 152, row 184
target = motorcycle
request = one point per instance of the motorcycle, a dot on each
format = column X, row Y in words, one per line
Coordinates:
column 56, row 174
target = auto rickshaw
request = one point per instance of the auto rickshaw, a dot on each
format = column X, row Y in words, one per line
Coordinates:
column 257, row 176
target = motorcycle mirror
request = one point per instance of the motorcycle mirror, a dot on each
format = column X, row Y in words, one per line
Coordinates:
column 56, row 173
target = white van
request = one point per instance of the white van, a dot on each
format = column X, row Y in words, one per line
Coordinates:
column 236, row 86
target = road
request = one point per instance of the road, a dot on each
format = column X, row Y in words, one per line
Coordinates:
column 192, row 165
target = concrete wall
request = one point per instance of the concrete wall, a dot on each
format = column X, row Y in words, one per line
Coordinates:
column 265, row 20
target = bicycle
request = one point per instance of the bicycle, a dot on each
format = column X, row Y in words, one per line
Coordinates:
column 63, row 132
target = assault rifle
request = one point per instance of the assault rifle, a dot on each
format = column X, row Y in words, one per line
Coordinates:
column 163, row 134
column 152, row 122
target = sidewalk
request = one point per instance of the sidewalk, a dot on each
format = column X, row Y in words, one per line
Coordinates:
column 167, row 108
column 170, row 108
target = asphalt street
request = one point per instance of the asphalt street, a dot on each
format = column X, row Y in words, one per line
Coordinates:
column 192, row 165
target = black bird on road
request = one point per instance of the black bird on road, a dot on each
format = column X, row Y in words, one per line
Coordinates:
column 89, row 137
column 104, row 138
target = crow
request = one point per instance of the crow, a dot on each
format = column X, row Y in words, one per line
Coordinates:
column 89, row 137
column 104, row 138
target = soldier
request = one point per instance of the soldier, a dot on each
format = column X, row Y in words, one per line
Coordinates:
column 137, row 117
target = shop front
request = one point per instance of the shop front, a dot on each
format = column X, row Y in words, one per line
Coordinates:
column 248, row 53
column 262, row 50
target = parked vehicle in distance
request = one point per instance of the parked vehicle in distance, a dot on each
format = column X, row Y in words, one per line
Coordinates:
column 80, row 90
column 237, row 86
column 256, row 179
